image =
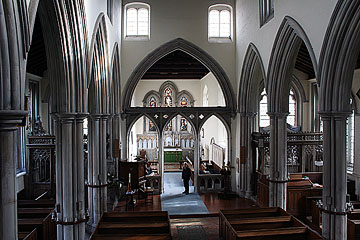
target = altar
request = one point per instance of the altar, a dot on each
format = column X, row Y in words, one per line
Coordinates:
column 172, row 155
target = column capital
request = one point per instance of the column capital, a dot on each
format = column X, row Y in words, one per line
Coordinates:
column 9, row 119
column 95, row 116
column 277, row 114
column 248, row 114
column 334, row 114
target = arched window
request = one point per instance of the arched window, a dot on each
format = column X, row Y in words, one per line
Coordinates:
column 220, row 23
column 137, row 21
column 168, row 97
column 184, row 101
column 291, row 118
column 264, row 119
column 350, row 133
column 205, row 96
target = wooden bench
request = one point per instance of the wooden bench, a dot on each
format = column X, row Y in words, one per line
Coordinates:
column 262, row 223
column 36, row 214
column 28, row 235
column 353, row 222
column 135, row 225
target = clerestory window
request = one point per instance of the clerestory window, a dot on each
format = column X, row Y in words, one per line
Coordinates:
column 220, row 23
column 137, row 21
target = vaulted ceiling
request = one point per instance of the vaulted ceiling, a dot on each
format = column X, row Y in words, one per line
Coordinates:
column 36, row 63
column 177, row 65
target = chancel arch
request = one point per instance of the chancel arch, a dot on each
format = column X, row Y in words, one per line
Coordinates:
column 192, row 50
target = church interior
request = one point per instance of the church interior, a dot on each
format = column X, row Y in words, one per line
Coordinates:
column 110, row 109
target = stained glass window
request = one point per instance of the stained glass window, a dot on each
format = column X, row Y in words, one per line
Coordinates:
column 264, row 119
column 152, row 102
column 169, row 126
column 183, row 102
column 168, row 97
column 152, row 127
column 291, row 118
column 183, row 124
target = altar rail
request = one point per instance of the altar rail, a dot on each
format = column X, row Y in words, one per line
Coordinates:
column 42, row 164
column 304, row 150
column 210, row 183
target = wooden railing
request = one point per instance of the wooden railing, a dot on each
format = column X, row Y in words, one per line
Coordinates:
column 218, row 155
column 210, row 183
column 42, row 164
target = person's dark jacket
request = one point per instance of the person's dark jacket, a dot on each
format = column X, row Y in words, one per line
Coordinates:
column 186, row 173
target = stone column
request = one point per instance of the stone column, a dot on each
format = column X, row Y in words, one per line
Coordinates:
column 243, row 170
column 8, row 197
column 70, row 206
column 94, row 169
column 278, row 160
column 334, row 219
column 249, row 166
column 196, row 161
column 103, row 162
column 357, row 154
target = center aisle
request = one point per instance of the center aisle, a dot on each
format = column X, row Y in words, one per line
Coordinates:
column 176, row 203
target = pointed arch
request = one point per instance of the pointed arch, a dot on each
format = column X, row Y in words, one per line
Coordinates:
column 194, row 51
column 114, row 76
column 338, row 56
column 282, row 61
column 99, row 84
column 249, row 82
column 66, row 52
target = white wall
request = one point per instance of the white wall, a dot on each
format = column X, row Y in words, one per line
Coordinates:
column 195, row 87
column 216, row 97
column 171, row 19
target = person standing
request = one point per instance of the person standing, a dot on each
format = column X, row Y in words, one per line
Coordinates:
column 186, row 174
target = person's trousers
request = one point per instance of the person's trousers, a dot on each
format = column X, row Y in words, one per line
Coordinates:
column 186, row 185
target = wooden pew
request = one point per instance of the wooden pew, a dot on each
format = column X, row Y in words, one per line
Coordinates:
column 353, row 222
column 28, row 235
column 36, row 214
column 262, row 223
column 135, row 225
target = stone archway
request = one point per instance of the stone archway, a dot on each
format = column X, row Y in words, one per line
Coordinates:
column 252, row 76
column 287, row 43
column 194, row 51
column 338, row 56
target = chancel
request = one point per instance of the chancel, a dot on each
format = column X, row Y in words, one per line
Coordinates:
column 104, row 104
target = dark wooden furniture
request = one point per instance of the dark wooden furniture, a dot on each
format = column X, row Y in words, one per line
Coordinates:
column 262, row 223
column 36, row 215
column 138, row 225
column 299, row 188
column 137, row 169
column 353, row 223
column 28, row 235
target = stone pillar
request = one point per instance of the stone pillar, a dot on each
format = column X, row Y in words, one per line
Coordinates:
column 94, row 169
column 8, row 197
column 334, row 219
column 196, row 162
column 243, row 170
column 70, row 205
column 278, row 160
column 103, row 163
column 161, row 161
column 249, row 166
column 357, row 154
